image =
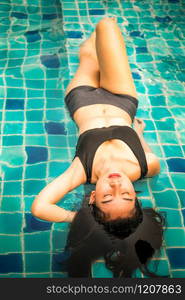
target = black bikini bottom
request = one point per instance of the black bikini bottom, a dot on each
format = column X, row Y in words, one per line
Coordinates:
column 85, row 95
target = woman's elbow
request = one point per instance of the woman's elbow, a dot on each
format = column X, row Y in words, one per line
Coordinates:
column 36, row 210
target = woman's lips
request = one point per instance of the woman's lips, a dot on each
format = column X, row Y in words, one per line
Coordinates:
column 114, row 175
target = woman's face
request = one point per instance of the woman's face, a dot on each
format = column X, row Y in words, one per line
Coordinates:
column 114, row 195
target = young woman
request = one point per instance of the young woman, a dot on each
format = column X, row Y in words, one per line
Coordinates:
column 102, row 100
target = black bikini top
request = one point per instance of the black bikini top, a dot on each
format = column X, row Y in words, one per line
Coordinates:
column 90, row 140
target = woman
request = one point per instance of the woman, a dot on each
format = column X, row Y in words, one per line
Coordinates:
column 102, row 100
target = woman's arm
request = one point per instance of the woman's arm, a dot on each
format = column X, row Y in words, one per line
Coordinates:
column 44, row 205
column 151, row 158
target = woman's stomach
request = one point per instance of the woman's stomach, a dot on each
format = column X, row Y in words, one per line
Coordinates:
column 100, row 115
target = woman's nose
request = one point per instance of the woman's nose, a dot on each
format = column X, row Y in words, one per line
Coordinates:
column 115, row 183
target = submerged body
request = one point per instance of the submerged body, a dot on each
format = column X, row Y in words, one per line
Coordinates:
column 105, row 70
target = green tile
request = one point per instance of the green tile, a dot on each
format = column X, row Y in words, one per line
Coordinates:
column 159, row 267
column 12, row 188
column 173, row 151
column 9, row 204
column 34, row 115
column 37, row 262
column 178, row 180
column 13, row 140
column 36, row 171
column 160, row 182
column 39, row 241
column 35, row 140
column 100, row 271
column 10, row 223
column 11, row 128
column 35, row 128
column 174, row 237
column 59, row 239
column 10, row 244
column 166, row 138
column 167, row 199
column 33, row 103
column 173, row 217
column 37, row 184
column 178, row 274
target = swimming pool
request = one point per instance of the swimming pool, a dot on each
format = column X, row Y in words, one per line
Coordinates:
column 38, row 55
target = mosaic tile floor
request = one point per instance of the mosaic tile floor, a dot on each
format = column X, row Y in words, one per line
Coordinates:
column 38, row 55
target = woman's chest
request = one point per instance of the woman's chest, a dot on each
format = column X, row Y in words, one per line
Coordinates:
column 116, row 152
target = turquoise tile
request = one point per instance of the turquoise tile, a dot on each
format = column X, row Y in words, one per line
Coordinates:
column 159, row 267
column 11, row 223
column 160, row 182
column 166, row 124
column 37, row 184
column 173, row 217
column 12, row 173
column 39, row 241
column 36, row 171
column 174, row 237
column 12, row 128
column 173, row 151
column 100, row 271
column 59, row 239
column 9, row 204
column 178, row 180
column 37, row 262
column 167, row 199
column 10, row 244
column 166, row 138
column 178, row 274
column 12, row 188
column 181, row 195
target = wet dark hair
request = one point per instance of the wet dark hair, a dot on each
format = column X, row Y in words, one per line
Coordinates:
column 123, row 253
column 121, row 227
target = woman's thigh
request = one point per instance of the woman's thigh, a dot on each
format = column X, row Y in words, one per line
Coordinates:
column 86, row 74
column 115, row 73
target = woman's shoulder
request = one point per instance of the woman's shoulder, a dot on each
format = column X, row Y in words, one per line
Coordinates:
column 153, row 164
column 78, row 170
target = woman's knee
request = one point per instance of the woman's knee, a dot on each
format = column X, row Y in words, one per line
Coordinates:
column 106, row 21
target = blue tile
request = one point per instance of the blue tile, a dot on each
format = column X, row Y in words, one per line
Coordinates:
column 33, row 36
column 176, row 165
column 163, row 19
column 33, row 224
column 36, row 154
column 19, row 15
column 97, row 12
column 177, row 258
column 50, row 61
column 55, row 128
column 136, row 33
column 49, row 16
column 74, row 34
column 14, row 104
column 141, row 50
column 136, row 75
column 11, row 263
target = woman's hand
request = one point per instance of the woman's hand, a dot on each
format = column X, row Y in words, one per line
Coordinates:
column 139, row 125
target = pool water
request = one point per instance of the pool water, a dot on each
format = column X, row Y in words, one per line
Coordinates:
column 39, row 43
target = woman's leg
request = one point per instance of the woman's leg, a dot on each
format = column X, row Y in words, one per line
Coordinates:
column 115, row 73
column 88, row 72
